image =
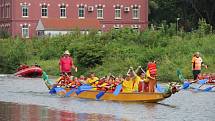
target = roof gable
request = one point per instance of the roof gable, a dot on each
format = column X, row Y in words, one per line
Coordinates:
column 67, row 24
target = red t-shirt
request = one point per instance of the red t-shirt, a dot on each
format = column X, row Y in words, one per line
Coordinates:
column 66, row 64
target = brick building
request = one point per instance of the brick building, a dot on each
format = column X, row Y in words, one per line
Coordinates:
column 28, row 18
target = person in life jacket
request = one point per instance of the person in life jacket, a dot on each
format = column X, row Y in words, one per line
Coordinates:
column 92, row 80
column 127, row 84
column 151, row 74
column 22, row 66
column 197, row 63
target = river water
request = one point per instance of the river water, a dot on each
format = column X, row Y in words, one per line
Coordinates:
column 27, row 99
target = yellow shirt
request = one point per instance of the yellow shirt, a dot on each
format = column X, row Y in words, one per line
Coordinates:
column 127, row 86
column 93, row 81
column 136, row 80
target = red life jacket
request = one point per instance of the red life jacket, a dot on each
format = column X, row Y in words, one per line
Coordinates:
column 152, row 69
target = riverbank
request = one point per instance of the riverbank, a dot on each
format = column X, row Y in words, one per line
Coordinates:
column 113, row 52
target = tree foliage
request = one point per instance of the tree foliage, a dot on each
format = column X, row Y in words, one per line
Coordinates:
column 189, row 12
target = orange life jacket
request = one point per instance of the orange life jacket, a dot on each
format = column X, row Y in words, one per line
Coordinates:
column 152, row 69
column 197, row 63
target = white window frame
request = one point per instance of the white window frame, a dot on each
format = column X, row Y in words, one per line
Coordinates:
column 27, row 11
column 135, row 13
column 3, row 12
column 116, row 27
column 100, row 8
column 6, row 7
column 45, row 8
column 81, row 8
column 118, row 9
column 62, row 10
column 25, row 28
column 8, row 14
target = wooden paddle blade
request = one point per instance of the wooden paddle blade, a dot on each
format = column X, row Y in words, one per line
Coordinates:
column 117, row 90
column 99, row 95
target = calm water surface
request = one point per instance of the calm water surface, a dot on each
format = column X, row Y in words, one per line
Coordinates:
column 26, row 99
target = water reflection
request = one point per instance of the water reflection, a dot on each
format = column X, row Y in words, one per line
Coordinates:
column 21, row 112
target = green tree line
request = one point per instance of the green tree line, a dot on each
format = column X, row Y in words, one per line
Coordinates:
column 189, row 12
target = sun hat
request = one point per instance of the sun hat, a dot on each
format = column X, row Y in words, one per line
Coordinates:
column 197, row 53
column 66, row 52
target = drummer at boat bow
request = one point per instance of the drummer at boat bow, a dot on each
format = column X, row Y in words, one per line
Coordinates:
column 66, row 63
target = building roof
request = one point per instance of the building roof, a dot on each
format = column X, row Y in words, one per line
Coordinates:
column 67, row 24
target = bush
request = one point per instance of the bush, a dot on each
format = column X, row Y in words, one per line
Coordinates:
column 4, row 34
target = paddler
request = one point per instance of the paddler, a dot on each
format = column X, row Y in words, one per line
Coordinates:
column 92, row 80
column 135, row 79
column 127, row 84
column 197, row 63
column 151, row 75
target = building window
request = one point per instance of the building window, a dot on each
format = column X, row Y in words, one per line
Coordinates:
column 135, row 13
column 7, row 10
column 25, row 31
column 135, row 28
column 116, row 27
column 2, row 12
column 117, row 12
column 24, row 11
column 44, row 11
column 100, row 12
column 8, row 14
column 40, row 33
column 81, row 11
column 63, row 11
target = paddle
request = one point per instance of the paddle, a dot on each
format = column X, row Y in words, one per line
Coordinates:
column 202, row 82
column 100, row 94
column 117, row 90
column 208, row 89
column 70, row 92
column 58, row 90
column 186, row 85
column 84, row 88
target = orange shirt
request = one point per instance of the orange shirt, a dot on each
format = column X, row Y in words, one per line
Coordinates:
column 196, row 63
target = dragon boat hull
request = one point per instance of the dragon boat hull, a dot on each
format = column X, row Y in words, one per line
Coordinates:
column 125, row 97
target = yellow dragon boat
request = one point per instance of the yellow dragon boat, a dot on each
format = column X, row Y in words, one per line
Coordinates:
column 126, row 97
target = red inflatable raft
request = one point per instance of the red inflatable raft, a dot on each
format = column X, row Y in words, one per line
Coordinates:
column 29, row 72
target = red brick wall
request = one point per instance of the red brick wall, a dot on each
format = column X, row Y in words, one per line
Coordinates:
column 72, row 12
